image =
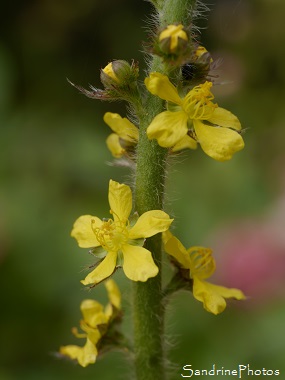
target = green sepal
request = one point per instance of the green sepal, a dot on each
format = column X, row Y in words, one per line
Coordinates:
column 98, row 252
column 137, row 242
column 133, row 219
column 120, row 259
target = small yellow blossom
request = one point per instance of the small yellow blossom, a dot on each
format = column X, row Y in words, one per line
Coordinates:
column 125, row 133
column 215, row 129
column 118, row 240
column 201, row 265
column 174, row 33
column 95, row 324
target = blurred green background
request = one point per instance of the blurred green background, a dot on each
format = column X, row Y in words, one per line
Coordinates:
column 53, row 168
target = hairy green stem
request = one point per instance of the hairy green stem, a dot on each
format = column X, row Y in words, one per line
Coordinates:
column 177, row 11
column 148, row 305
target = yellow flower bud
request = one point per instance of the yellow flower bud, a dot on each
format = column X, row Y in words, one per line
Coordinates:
column 200, row 51
column 118, row 73
column 203, row 57
column 173, row 39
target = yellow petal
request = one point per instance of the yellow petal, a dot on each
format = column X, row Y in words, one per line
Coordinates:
column 122, row 126
column 138, row 263
column 217, row 142
column 225, row 118
column 84, row 355
column 166, row 235
column 114, row 293
column 212, row 301
column 149, row 224
column 114, row 146
column 174, row 32
column 92, row 333
column 185, row 142
column 109, row 311
column 175, row 248
column 83, row 233
column 102, row 271
column 168, row 128
column 93, row 312
column 213, row 296
column 120, row 200
column 159, row 84
column 200, row 51
column 228, row 292
column 110, row 72
column 95, row 335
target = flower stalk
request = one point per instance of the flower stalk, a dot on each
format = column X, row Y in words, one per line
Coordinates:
column 148, row 304
column 148, row 309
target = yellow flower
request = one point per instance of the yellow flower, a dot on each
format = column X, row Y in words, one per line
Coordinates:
column 201, row 265
column 215, row 128
column 118, row 239
column 174, row 33
column 126, row 133
column 94, row 324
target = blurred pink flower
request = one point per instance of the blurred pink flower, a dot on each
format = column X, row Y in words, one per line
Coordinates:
column 252, row 258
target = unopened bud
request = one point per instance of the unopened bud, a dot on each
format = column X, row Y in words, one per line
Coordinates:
column 200, row 51
column 173, row 39
column 197, row 69
column 118, row 74
column 203, row 57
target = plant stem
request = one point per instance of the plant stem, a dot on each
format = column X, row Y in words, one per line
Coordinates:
column 147, row 303
column 148, row 306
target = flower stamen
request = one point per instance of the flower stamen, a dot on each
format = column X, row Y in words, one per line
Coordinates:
column 111, row 235
column 203, row 263
column 198, row 102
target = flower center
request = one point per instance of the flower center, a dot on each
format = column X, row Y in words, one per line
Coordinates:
column 112, row 235
column 202, row 262
column 198, row 102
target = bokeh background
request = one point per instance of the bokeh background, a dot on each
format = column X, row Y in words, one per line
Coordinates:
column 53, row 168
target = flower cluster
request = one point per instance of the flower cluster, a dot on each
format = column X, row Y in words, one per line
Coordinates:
column 96, row 324
column 118, row 242
column 190, row 119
